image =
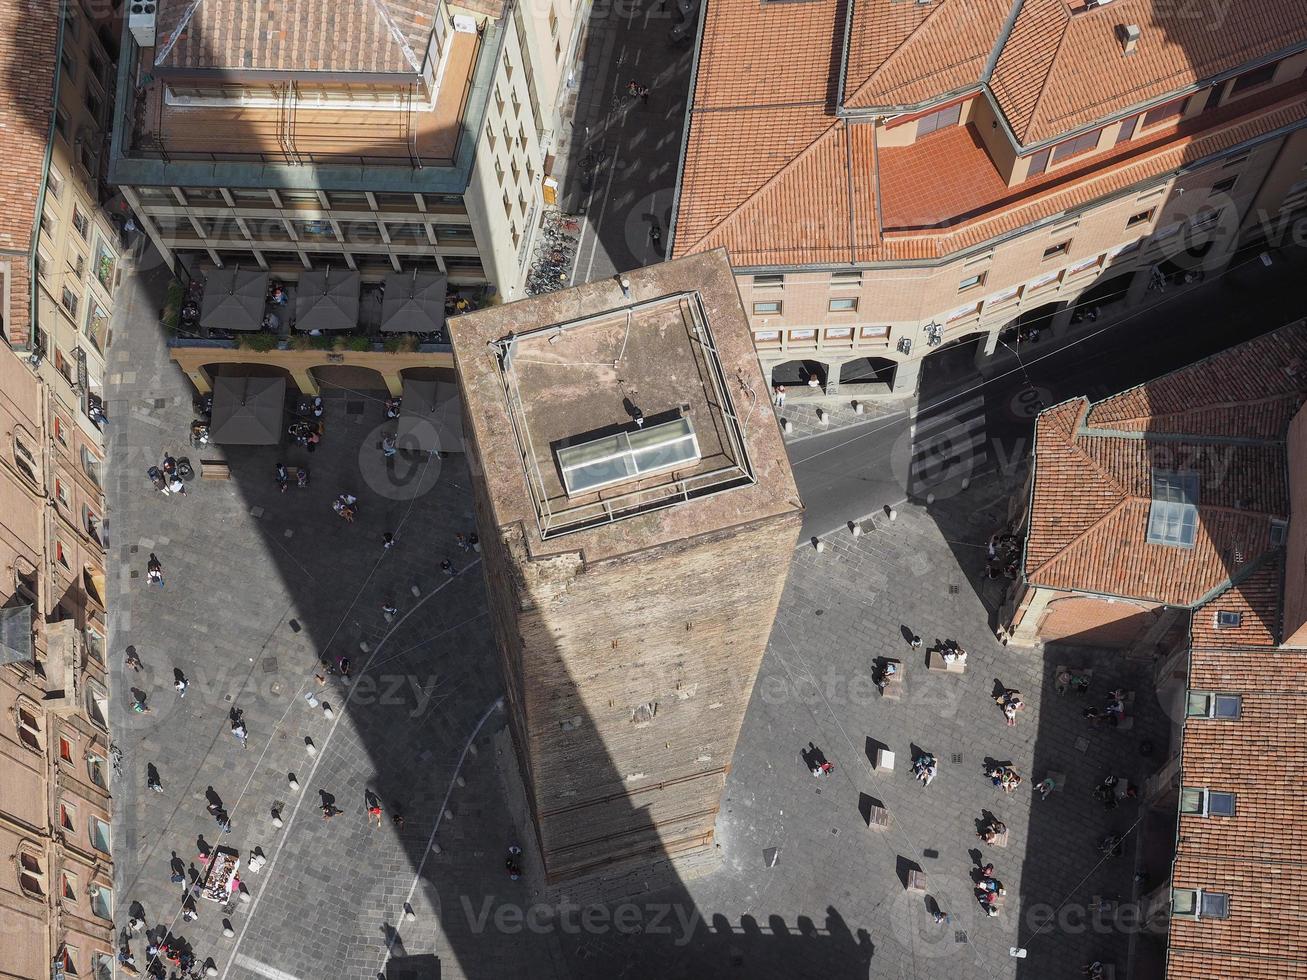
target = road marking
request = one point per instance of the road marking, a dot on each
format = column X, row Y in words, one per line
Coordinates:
column 263, row 970
column 843, row 428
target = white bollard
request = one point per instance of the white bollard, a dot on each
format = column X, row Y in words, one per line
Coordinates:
column 460, row 781
column 245, row 896
column 787, row 426
column 820, row 546
column 415, row 590
column 228, row 932
column 857, row 529
column 294, row 783
column 893, row 514
column 966, row 482
column 823, row 417
column 435, row 848
column 276, row 820
column 930, row 499
column 363, row 645
column 859, row 408
column 326, row 710
column 449, row 814
column 309, row 747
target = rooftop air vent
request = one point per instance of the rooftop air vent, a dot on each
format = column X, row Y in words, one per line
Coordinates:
column 140, row 21
column 1128, row 35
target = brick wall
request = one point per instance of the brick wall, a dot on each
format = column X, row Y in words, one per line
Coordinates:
column 1091, row 621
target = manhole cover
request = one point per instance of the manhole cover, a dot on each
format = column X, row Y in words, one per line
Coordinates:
column 354, row 408
column 835, row 831
column 136, row 574
column 160, row 402
column 269, row 665
column 957, row 758
column 952, row 590
column 135, row 548
column 959, row 936
column 226, row 697
column 930, row 853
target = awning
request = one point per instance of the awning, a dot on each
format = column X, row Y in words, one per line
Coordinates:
column 16, row 634
column 327, row 299
column 414, row 302
column 234, row 299
column 247, row 411
column 432, row 417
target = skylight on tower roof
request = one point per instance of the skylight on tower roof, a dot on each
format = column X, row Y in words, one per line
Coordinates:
column 626, row 456
column 1173, row 516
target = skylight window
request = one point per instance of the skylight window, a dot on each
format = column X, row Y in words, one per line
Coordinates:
column 1173, row 516
column 628, row 456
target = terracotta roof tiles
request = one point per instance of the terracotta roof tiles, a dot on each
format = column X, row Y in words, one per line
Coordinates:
column 1092, row 486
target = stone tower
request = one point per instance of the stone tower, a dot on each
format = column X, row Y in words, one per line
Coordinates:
column 637, row 516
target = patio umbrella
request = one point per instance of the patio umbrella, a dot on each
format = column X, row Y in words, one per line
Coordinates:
column 247, row 411
column 327, row 299
column 432, row 417
column 234, row 299
column 415, row 302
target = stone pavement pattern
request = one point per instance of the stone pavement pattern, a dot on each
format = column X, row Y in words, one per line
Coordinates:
column 262, row 585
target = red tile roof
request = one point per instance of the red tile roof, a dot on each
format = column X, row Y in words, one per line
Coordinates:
column 764, row 150
column 29, row 52
column 1223, row 419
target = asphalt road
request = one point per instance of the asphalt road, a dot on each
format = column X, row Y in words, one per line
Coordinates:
column 969, row 424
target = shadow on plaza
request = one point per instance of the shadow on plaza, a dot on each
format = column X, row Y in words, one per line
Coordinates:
column 496, row 926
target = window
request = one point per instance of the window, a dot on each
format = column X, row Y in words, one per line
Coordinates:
column 874, row 333
column 29, row 728
column 59, row 554
column 768, row 308
column 1140, row 217
column 499, row 172
column 94, row 106
column 847, row 304
column 1206, row 803
column 59, row 432
column 1173, row 514
column 101, row 901
column 1226, row 620
column 1078, row 267
column 765, row 281
column 80, row 222
column 102, row 966
column 1002, row 297
column 1162, row 113
column 971, row 282
column 95, row 770
column 1208, row 704
column 66, row 59
column 60, row 493
column 68, row 299
column 99, row 830
column 65, row 749
column 91, row 466
column 67, row 960
column 1043, row 281
column 767, row 337
column 67, row 816
column 97, row 706
column 1127, row 130
column 839, row 333
column 490, row 134
column 1038, row 163
column 1225, row 185
column 943, row 119
column 31, row 873
column 851, row 277
column 553, row 23
column 68, row 885
column 1077, row 145
column 804, row 336
column 1253, row 79
column 962, row 312
column 61, row 123
column 54, row 183
column 1053, row 251
column 1279, row 531
column 1198, row 903
column 499, row 100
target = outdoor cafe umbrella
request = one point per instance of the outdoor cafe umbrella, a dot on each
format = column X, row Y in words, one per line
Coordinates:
column 234, row 299
column 327, row 299
column 247, row 411
column 431, row 419
column 414, row 302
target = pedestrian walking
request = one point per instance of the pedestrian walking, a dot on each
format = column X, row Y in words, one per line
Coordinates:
column 283, row 478
column 152, row 780
column 301, row 476
column 511, row 863
column 388, row 609
column 778, row 395
column 915, row 642
column 154, row 571
column 224, row 821
column 181, row 684
column 447, row 567
column 388, row 445
column 387, row 541
column 941, row 918
column 133, row 660
column 656, row 236
column 138, row 703
column 241, row 733
column 474, row 542
column 397, row 819
column 329, row 810
column 461, row 541
column 374, row 808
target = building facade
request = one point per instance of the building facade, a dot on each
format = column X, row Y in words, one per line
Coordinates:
column 60, row 249
column 980, row 173
column 56, row 889
column 636, row 531
column 423, row 149
column 1166, row 521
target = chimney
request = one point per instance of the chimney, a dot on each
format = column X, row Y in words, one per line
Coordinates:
column 1128, row 35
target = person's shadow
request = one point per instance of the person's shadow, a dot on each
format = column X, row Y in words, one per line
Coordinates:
column 813, row 757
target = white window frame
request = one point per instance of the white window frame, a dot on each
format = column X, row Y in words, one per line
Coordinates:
column 1212, row 697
